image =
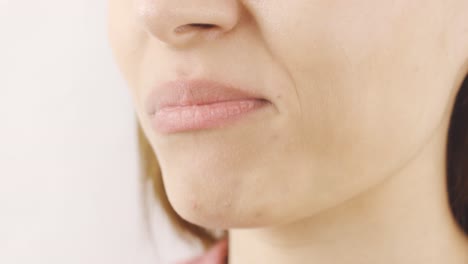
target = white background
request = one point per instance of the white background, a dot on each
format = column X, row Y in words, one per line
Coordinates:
column 69, row 184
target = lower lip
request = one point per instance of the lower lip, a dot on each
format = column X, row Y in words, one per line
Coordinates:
column 195, row 117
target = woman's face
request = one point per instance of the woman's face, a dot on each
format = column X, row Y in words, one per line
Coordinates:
column 356, row 88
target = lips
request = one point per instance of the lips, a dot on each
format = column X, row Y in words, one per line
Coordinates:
column 197, row 104
column 194, row 92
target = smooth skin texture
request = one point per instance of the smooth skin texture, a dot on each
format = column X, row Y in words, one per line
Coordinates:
column 347, row 164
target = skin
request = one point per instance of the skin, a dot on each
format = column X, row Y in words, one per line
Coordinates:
column 347, row 163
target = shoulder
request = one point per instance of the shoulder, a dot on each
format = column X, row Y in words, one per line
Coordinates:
column 215, row 255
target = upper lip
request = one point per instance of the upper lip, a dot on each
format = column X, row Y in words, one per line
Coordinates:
column 183, row 92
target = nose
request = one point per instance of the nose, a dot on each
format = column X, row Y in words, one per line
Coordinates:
column 180, row 22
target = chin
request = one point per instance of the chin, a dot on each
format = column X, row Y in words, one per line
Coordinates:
column 216, row 213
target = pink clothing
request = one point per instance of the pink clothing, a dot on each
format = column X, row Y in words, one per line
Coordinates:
column 215, row 255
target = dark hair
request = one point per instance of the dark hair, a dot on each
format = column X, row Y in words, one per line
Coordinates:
column 457, row 158
column 456, row 170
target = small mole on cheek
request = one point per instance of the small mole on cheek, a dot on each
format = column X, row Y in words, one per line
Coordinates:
column 275, row 136
column 278, row 96
column 258, row 215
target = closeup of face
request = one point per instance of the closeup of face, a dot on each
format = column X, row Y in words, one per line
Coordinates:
column 353, row 90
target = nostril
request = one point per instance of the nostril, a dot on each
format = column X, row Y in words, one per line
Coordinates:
column 205, row 26
column 188, row 27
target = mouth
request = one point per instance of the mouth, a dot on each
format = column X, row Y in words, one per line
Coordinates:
column 189, row 105
column 195, row 117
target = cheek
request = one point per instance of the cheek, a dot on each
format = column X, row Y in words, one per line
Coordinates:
column 363, row 86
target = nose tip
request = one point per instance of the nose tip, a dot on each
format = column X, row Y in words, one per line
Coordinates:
column 179, row 22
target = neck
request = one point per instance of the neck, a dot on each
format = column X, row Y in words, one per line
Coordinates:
column 405, row 219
